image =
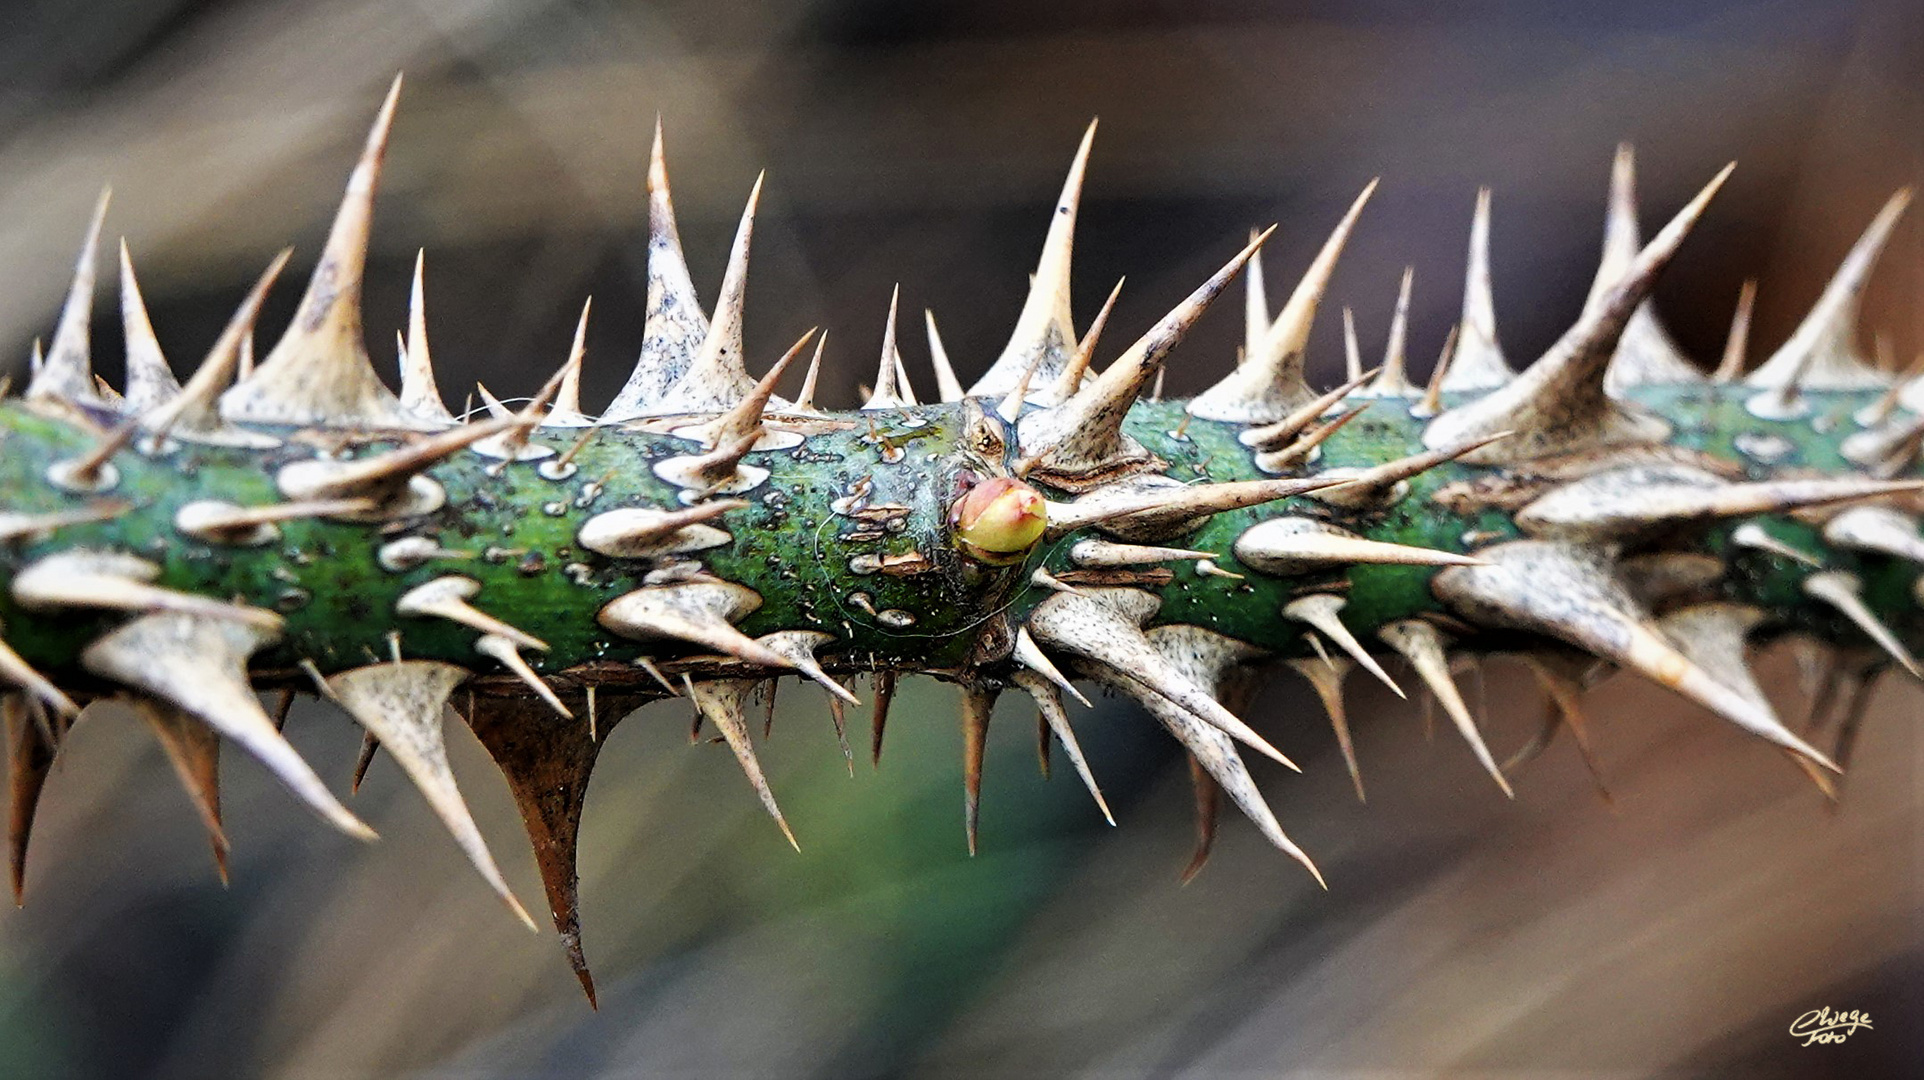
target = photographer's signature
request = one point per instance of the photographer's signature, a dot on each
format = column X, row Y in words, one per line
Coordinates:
column 1828, row 1026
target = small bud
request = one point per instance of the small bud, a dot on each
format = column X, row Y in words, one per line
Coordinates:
column 999, row 519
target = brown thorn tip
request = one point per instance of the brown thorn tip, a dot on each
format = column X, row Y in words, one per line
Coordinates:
column 978, row 703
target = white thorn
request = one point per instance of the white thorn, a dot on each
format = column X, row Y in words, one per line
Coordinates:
column 1422, row 645
column 1031, row 656
column 1323, row 611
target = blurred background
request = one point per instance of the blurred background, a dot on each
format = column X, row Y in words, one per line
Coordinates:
column 1677, row 930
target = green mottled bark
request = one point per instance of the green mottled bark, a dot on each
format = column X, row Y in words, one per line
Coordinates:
column 800, row 540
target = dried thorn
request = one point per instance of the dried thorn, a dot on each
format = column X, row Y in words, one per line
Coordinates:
column 879, row 722
column 65, row 374
column 1731, row 367
column 715, row 378
column 370, row 745
column 18, row 672
column 1352, row 352
column 1105, row 630
column 1269, row 383
column 654, row 672
column 1165, row 506
column 225, row 523
column 720, row 702
column 193, row 749
column 1045, row 330
column 978, row 704
column 1559, row 404
column 420, row 394
column 1754, row 536
column 319, row 373
column 1076, row 370
column 1098, row 553
column 1293, row 545
column 106, row 580
column 1376, row 484
column 840, row 720
column 1299, row 451
column 805, row 401
column 700, row 612
column 798, row 648
column 199, row 665
column 1208, row 803
column 1043, row 579
column 675, row 325
column 1571, row 593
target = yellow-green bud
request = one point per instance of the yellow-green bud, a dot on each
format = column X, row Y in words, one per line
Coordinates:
column 999, row 519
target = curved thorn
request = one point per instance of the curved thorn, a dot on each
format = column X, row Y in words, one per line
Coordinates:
column 507, row 652
column 1843, row 591
column 1422, row 645
column 1326, row 678
column 1323, row 611
column 720, row 702
column 1042, row 689
column 1044, row 333
column 1559, row 405
column 1270, row 381
column 1031, row 656
column 400, row 703
column 65, row 373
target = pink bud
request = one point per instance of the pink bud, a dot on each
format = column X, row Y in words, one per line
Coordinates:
column 999, row 518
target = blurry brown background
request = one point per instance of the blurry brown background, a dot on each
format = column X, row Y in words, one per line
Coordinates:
column 1678, row 934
